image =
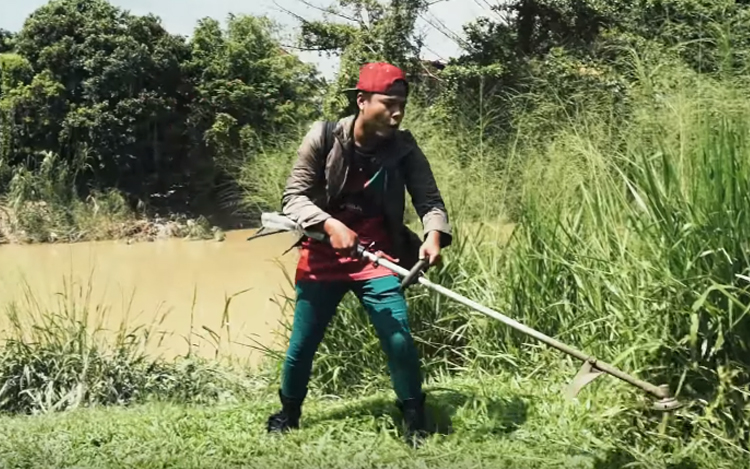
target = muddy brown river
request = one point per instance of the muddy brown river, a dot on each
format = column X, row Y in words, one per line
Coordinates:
column 172, row 286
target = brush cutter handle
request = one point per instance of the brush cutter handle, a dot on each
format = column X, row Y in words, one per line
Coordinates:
column 277, row 222
column 411, row 278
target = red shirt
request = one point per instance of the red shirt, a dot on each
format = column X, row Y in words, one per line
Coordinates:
column 358, row 209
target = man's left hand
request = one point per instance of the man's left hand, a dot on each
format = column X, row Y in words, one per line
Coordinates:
column 430, row 249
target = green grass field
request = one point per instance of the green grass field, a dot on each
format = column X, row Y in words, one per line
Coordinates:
column 498, row 421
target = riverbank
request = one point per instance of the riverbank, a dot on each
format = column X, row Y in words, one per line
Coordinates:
column 41, row 222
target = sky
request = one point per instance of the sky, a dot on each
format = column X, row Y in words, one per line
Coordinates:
column 180, row 17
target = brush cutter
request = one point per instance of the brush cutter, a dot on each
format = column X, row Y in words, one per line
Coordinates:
column 592, row 368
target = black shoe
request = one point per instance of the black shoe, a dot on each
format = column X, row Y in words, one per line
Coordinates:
column 414, row 418
column 287, row 418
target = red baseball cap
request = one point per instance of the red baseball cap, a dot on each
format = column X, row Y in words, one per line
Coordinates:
column 378, row 78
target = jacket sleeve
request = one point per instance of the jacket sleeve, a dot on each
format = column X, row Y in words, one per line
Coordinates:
column 306, row 179
column 425, row 195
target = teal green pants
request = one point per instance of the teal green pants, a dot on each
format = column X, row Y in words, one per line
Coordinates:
column 386, row 307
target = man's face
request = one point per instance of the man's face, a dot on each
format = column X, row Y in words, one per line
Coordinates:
column 383, row 113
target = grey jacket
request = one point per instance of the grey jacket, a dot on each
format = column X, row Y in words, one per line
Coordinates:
column 317, row 179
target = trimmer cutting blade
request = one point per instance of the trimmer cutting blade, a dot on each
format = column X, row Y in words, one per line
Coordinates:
column 667, row 403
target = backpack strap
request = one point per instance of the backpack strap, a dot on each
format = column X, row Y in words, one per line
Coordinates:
column 328, row 138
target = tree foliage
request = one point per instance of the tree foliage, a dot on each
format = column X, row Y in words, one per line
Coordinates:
column 149, row 109
column 245, row 86
column 6, row 41
column 361, row 31
column 572, row 50
column 119, row 84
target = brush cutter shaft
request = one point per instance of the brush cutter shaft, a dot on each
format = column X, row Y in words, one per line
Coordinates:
column 279, row 222
column 605, row 367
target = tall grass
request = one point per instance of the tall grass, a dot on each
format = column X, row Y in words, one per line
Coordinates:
column 632, row 244
column 641, row 256
column 41, row 205
column 61, row 357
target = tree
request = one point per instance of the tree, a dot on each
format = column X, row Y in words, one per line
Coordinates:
column 122, row 85
column 6, row 41
column 245, row 86
column 365, row 31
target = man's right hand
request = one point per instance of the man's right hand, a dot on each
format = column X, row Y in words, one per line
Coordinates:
column 343, row 240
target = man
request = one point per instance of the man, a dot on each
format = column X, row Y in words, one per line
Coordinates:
column 355, row 194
